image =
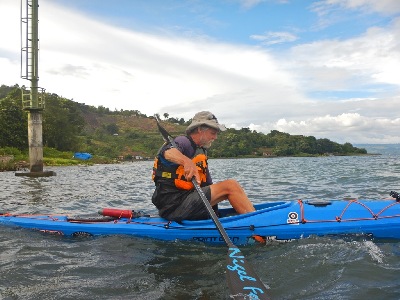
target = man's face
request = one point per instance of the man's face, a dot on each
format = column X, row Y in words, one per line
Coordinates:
column 207, row 136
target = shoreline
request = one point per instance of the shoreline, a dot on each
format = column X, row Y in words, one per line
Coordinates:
column 23, row 165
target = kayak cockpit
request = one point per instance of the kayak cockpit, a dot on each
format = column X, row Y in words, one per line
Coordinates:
column 260, row 208
column 228, row 215
column 232, row 215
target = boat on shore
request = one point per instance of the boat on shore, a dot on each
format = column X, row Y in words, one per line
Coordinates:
column 275, row 220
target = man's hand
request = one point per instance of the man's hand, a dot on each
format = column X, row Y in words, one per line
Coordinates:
column 190, row 168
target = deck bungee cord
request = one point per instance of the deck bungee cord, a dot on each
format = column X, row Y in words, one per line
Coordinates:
column 340, row 218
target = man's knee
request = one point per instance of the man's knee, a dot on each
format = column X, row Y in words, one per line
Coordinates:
column 225, row 188
column 232, row 185
column 231, row 181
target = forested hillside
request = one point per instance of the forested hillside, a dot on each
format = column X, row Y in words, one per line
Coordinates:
column 72, row 126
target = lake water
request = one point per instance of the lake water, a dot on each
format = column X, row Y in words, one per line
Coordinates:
column 39, row 266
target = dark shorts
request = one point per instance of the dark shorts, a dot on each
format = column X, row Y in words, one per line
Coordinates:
column 192, row 207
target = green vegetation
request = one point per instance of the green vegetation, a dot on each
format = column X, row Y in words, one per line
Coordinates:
column 243, row 142
column 12, row 159
column 70, row 127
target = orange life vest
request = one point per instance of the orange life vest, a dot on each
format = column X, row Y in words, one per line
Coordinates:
column 166, row 172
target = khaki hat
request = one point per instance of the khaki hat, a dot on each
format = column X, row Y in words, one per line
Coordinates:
column 205, row 118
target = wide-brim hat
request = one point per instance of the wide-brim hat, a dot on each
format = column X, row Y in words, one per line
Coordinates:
column 205, row 118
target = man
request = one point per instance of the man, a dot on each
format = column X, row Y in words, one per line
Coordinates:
column 175, row 196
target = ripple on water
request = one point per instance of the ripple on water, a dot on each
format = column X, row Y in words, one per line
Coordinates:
column 37, row 266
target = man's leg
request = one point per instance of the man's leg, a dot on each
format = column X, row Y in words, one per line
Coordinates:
column 230, row 189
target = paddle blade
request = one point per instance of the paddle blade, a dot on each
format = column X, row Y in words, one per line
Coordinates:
column 243, row 282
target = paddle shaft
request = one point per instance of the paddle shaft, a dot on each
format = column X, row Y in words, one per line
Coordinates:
column 214, row 217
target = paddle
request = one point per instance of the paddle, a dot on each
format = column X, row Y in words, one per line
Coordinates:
column 243, row 281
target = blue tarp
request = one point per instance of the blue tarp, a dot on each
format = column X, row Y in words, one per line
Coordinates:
column 82, row 155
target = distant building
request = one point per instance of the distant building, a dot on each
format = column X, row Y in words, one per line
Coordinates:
column 267, row 152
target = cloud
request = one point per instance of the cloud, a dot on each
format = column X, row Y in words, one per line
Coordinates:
column 336, row 11
column 346, row 127
column 70, row 70
column 250, row 3
column 335, row 7
column 372, row 58
column 271, row 38
column 90, row 61
column 295, row 91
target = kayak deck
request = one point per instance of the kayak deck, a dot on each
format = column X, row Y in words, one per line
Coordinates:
column 280, row 220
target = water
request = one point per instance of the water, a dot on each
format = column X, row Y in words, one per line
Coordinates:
column 39, row 266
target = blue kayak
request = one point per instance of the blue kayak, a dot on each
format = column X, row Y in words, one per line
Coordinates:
column 82, row 155
column 281, row 220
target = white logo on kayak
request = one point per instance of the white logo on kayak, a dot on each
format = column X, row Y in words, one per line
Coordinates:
column 293, row 218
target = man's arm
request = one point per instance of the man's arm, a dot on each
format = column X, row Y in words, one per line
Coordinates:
column 175, row 156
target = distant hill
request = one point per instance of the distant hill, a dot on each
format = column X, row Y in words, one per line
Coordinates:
column 384, row 149
column 76, row 127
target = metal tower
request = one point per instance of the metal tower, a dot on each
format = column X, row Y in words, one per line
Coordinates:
column 33, row 99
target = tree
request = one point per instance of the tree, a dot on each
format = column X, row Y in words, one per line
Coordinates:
column 62, row 123
column 5, row 90
column 13, row 121
column 112, row 128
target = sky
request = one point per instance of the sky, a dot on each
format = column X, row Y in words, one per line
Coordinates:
column 326, row 68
